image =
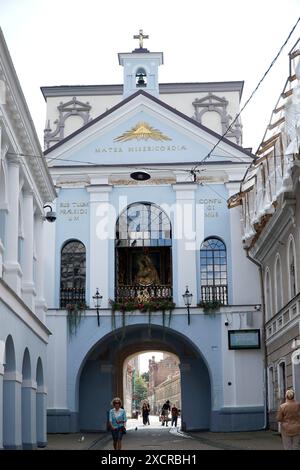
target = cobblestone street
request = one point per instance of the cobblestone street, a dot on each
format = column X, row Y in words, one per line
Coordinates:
column 157, row 437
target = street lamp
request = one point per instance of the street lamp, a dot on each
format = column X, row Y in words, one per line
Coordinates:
column 187, row 297
column 97, row 301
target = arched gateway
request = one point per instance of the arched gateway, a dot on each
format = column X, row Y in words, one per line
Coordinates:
column 101, row 375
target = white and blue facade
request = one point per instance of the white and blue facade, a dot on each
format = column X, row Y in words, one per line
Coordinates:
column 25, row 187
column 91, row 155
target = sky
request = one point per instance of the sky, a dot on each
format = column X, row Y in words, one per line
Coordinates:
column 144, row 360
column 75, row 42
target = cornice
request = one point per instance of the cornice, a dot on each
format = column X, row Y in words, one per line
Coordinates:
column 17, row 118
column 279, row 222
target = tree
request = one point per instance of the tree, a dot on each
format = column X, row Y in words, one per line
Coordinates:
column 141, row 389
column 145, row 376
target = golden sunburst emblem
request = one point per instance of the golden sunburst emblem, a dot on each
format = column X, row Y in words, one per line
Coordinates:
column 142, row 131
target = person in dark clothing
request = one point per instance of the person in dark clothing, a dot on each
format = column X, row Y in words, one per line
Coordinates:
column 145, row 413
column 165, row 412
column 174, row 414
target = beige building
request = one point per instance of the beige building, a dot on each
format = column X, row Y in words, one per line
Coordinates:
column 270, row 202
column 164, row 382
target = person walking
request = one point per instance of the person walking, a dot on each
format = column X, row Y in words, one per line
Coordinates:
column 145, row 413
column 117, row 422
column 174, row 414
column 165, row 413
column 289, row 417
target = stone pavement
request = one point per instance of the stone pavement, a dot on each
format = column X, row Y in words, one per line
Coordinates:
column 157, row 437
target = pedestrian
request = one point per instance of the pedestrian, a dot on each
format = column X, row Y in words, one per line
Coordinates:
column 145, row 413
column 117, row 422
column 289, row 417
column 165, row 413
column 174, row 414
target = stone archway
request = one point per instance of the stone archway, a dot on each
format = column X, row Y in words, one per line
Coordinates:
column 102, row 375
column 12, row 436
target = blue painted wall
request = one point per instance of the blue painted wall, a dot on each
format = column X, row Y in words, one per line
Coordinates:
column 73, row 222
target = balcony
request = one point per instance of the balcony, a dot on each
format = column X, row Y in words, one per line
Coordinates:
column 214, row 293
column 143, row 293
column 73, row 295
column 283, row 319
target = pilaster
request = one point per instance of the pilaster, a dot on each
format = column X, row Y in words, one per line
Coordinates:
column 185, row 242
column 101, row 230
column 28, row 288
column 40, row 304
column 1, row 405
column 41, row 416
column 29, row 414
column 12, row 432
column 12, row 269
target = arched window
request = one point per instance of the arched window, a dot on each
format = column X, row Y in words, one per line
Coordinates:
column 278, row 283
column 281, row 381
column 72, row 273
column 213, row 265
column 141, row 78
column 143, row 252
column 143, row 224
column 292, row 268
column 271, row 388
column 268, row 295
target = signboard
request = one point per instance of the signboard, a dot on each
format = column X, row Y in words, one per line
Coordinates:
column 244, row 339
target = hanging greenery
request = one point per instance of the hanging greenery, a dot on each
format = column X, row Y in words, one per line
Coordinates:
column 75, row 313
column 152, row 305
column 210, row 306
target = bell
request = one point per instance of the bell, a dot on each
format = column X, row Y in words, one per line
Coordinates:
column 141, row 81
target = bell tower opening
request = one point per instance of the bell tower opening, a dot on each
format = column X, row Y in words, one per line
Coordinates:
column 141, row 78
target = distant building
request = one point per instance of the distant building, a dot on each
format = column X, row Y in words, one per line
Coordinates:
column 164, row 382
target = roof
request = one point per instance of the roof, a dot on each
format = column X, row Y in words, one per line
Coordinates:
column 164, row 88
column 161, row 103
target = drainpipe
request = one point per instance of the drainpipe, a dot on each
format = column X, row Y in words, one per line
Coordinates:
column 266, row 424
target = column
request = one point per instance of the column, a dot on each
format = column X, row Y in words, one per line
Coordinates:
column 40, row 304
column 41, row 416
column 185, row 242
column 12, row 428
column 28, row 288
column 12, row 269
column 101, row 230
column 29, row 406
column 1, row 405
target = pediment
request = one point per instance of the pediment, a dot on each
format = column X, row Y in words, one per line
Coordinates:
column 141, row 130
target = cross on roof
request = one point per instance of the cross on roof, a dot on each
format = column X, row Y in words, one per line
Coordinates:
column 140, row 37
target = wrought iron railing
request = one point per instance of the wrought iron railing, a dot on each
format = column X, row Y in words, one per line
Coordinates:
column 134, row 292
column 214, row 293
column 71, row 296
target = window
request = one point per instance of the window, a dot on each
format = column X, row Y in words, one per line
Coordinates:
column 271, row 388
column 268, row 295
column 278, row 283
column 292, row 269
column 143, row 224
column 213, row 267
column 281, row 381
column 72, row 273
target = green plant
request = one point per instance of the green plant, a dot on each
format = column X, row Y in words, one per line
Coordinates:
column 76, row 311
column 151, row 305
column 210, row 306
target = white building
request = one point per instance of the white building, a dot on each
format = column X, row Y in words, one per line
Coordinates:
column 25, row 187
column 141, row 240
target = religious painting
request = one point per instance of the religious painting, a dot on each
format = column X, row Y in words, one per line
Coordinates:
column 146, row 268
